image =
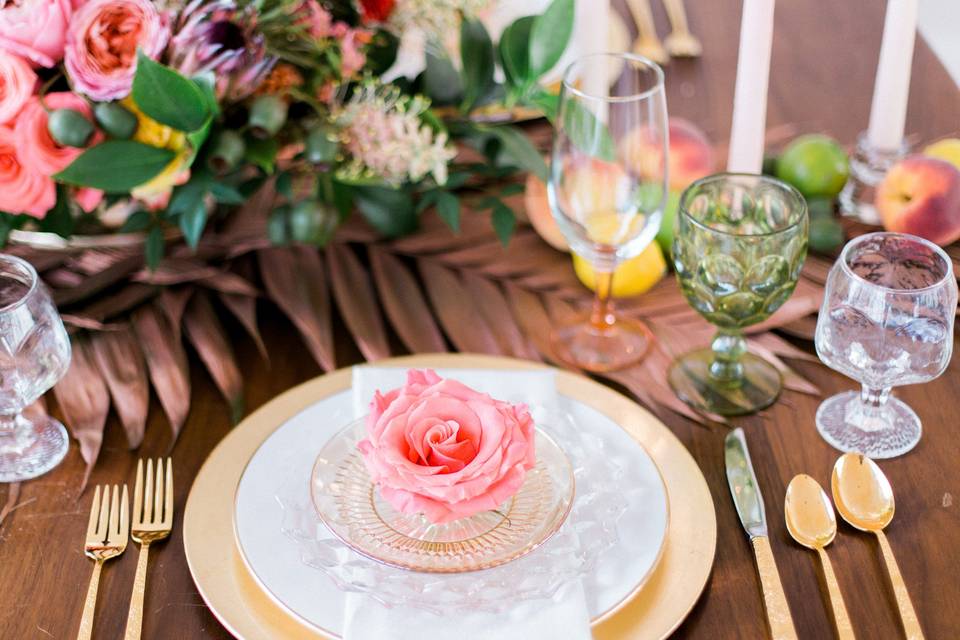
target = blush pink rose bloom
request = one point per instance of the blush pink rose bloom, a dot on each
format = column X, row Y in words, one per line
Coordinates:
column 17, row 82
column 35, row 29
column 23, row 189
column 34, row 143
column 439, row 448
column 102, row 42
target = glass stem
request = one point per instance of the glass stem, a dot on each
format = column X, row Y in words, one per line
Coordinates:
column 728, row 347
column 15, row 433
column 867, row 414
column 602, row 317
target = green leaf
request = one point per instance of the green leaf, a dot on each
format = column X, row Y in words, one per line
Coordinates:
column 427, row 200
column 226, row 194
column 136, row 221
column 503, row 222
column 59, row 219
column 586, row 132
column 342, row 198
column 512, row 190
column 153, row 248
column 382, row 52
column 116, row 166
column 284, row 185
column 546, row 102
column 514, row 49
column 390, row 211
column 549, row 36
column 192, row 222
column 520, row 150
column 262, row 153
column 448, row 207
column 168, row 97
column 476, row 51
column 441, row 81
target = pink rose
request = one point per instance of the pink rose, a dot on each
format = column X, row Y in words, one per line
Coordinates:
column 101, row 51
column 351, row 48
column 17, row 82
column 24, row 189
column 440, row 448
column 34, row 143
column 35, row 29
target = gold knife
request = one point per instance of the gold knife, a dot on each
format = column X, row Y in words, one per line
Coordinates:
column 749, row 504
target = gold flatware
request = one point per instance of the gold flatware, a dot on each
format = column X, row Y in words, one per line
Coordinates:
column 680, row 43
column 152, row 521
column 107, row 533
column 647, row 43
column 749, row 504
column 811, row 522
column 864, row 499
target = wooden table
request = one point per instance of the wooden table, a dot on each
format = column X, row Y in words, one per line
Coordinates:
column 823, row 66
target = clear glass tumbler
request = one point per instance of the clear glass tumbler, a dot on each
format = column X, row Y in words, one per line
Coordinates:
column 607, row 188
column 34, row 355
column 886, row 321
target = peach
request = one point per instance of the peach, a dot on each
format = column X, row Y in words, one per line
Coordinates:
column 691, row 154
column 537, row 206
column 921, row 195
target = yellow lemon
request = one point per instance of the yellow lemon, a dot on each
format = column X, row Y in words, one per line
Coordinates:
column 947, row 149
column 633, row 277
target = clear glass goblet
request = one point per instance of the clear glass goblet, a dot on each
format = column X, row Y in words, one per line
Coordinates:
column 607, row 187
column 886, row 321
column 34, row 355
column 740, row 243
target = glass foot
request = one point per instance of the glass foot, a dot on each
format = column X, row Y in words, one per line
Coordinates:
column 588, row 347
column 689, row 375
column 887, row 431
column 32, row 448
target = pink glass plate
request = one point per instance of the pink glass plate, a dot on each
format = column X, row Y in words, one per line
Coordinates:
column 349, row 504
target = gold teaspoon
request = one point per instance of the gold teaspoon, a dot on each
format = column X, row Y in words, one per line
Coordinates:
column 865, row 500
column 811, row 522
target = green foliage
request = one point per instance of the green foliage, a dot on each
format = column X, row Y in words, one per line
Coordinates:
column 478, row 62
column 514, row 50
column 389, row 210
column 262, row 153
column 519, row 150
column 549, row 36
column 441, row 81
column 503, row 221
column 586, row 132
column 116, row 166
column 59, row 220
column 168, row 97
column 153, row 248
column 136, row 222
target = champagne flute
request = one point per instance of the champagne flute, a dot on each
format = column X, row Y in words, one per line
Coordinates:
column 607, row 187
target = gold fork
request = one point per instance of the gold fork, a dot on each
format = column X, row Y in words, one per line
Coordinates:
column 647, row 43
column 107, row 534
column 152, row 521
column 680, row 43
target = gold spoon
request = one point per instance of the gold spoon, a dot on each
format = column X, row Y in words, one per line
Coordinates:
column 865, row 500
column 811, row 522
column 680, row 43
column 647, row 43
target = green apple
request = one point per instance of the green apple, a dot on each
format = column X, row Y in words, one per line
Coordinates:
column 816, row 165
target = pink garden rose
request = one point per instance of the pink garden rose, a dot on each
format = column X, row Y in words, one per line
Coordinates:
column 24, row 189
column 37, row 149
column 101, row 51
column 17, row 82
column 35, row 29
column 440, row 448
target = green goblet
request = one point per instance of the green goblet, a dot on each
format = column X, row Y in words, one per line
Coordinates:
column 740, row 243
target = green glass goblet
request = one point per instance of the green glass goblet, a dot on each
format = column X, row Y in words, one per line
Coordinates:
column 739, row 245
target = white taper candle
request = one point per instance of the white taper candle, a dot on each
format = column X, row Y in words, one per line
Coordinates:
column 750, row 97
column 888, row 112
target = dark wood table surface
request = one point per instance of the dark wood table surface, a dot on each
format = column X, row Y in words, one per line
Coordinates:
column 822, row 74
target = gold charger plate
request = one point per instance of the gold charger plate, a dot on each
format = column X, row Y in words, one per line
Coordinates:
column 656, row 609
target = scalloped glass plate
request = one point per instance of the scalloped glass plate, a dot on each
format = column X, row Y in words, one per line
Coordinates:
column 349, row 504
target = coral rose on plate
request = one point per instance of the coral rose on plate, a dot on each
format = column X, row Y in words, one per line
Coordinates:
column 35, row 29
column 437, row 447
column 102, row 43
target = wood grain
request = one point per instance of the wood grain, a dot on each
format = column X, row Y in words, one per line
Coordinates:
column 823, row 66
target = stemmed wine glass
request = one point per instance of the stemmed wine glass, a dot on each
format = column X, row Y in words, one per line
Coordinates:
column 608, row 180
column 887, row 320
column 34, row 355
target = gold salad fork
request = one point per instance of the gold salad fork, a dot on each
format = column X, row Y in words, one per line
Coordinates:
column 152, row 521
column 107, row 534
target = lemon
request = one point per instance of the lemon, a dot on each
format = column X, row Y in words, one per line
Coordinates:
column 631, row 278
column 947, row 149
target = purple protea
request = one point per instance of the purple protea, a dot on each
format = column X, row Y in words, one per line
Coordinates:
column 221, row 37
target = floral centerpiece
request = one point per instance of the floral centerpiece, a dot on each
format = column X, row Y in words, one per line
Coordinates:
column 145, row 116
column 437, row 447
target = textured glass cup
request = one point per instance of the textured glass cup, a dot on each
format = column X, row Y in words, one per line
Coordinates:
column 608, row 180
column 34, row 355
column 738, row 248
column 887, row 320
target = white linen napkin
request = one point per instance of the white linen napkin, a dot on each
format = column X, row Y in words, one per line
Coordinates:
column 563, row 616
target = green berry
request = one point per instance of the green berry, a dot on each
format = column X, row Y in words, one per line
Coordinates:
column 277, row 228
column 226, row 152
column 826, row 235
column 321, row 147
column 268, row 114
column 312, row 222
column 118, row 121
column 69, row 128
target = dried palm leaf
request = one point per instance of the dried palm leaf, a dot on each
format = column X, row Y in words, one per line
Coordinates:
column 121, row 363
column 295, row 280
column 494, row 308
column 13, row 496
column 166, row 364
column 85, row 402
column 357, row 302
column 208, row 338
column 89, row 285
column 404, row 304
column 454, row 307
column 174, row 301
column 244, row 308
